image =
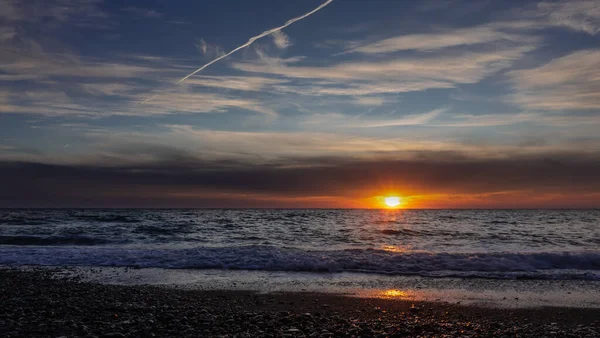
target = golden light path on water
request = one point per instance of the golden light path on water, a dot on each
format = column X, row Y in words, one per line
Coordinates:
column 394, row 293
column 399, row 294
column 394, row 248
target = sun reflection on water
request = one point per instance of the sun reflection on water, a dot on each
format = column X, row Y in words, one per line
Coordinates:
column 396, row 293
column 394, row 248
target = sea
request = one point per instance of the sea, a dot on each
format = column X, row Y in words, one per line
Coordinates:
column 378, row 248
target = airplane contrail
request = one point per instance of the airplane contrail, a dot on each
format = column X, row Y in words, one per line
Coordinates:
column 251, row 41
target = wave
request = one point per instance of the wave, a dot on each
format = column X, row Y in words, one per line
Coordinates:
column 540, row 265
column 11, row 221
column 405, row 232
column 50, row 240
column 107, row 218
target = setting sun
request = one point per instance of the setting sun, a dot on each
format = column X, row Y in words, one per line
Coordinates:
column 392, row 201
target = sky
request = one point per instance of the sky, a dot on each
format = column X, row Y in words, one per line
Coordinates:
column 446, row 103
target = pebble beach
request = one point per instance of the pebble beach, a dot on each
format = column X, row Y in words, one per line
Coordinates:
column 37, row 303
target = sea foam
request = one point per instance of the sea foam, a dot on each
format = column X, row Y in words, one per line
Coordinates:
column 532, row 265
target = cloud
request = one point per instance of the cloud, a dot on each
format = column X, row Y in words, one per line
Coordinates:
column 360, row 88
column 72, row 11
column 244, row 83
column 7, row 34
column 42, row 17
column 507, row 119
column 281, row 40
column 115, row 146
column 429, row 174
column 66, row 84
column 488, row 120
column 183, row 100
column 433, row 41
column 28, row 28
column 571, row 82
column 46, row 66
column 101, row 99
column 14, row 150
column 143, row 12
column 249, row 146
column 107, row 89
column 407, row 120
column 209, row 51
column 582, row 15
column 401, row 74
column 48, row 78
column 369, row 100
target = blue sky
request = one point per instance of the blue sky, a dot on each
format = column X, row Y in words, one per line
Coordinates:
column 95, row 83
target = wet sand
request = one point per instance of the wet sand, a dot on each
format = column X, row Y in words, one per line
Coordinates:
column 35, row 303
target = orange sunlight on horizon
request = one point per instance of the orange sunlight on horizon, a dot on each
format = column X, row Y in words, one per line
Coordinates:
column 390, row 201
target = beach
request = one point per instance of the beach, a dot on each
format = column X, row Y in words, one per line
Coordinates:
column 299, row 273
column 45, row 302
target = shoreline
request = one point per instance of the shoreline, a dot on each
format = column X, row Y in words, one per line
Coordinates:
column 482, row 292
column 38, row 303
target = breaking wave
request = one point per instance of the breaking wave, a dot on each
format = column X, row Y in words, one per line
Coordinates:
column 538, row 265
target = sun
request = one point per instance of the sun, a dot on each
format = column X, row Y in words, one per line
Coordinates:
column 392, row 201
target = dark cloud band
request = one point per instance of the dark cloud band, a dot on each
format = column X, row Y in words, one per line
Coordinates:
column 203, row 183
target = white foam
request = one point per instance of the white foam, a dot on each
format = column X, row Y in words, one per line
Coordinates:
column 538, row 265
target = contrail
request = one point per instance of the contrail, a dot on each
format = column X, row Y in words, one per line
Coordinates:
column 251, row 41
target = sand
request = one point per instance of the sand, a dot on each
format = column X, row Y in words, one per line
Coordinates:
column 35, row 303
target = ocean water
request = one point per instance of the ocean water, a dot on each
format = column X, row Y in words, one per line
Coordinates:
column 491, row 244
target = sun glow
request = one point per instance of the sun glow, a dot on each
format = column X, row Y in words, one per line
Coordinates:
column 392, row 201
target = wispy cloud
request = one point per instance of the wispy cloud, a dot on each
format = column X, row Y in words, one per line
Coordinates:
column 244, row 83
column 578, row 15
column 568, row 82
column 407, row 120
column 143, row 12
column 438, row 40
column 369, row 100
column 209, row 50
column 507, row 119
column 187, row 101
column 281, row 40
column 77, row 12
column 7, row 33
column 257, row 147
column 402, row 74
column 97, row 88
column 487, row 120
